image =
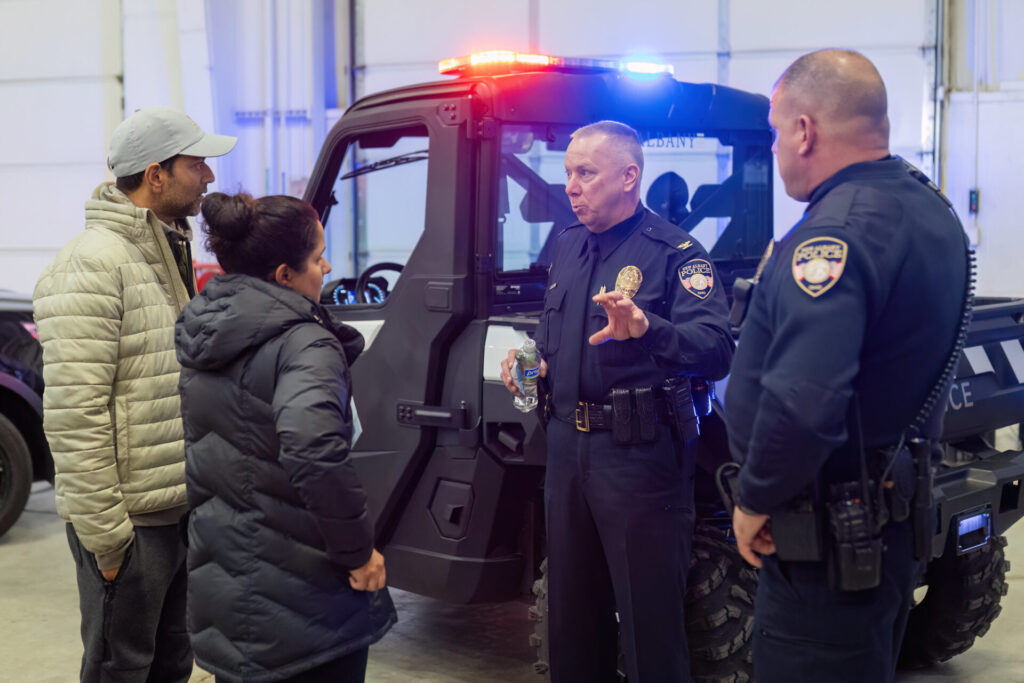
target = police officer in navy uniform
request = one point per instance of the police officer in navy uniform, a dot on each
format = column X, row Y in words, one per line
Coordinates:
column 846, row 334
column 632, row 300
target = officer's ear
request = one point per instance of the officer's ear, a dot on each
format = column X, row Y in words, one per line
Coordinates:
column 630, row 177
column 808, row 135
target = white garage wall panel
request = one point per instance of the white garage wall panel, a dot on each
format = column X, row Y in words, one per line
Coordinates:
column 743, row 43
column 983, row 137
column 59, row 61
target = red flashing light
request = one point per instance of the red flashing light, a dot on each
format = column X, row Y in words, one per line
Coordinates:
column 509, row 60
column 495, row 57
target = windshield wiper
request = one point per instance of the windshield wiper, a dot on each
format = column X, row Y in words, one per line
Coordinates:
column 419, row 155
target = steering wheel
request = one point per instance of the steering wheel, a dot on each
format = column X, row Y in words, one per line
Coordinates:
column 364, row 278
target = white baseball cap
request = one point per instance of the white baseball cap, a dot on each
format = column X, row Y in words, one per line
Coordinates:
column 155, row 134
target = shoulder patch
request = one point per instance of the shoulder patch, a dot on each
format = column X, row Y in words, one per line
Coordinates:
column 698, row 277
column 818, row 264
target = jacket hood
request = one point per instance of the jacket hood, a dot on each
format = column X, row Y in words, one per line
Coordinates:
column 234, row 313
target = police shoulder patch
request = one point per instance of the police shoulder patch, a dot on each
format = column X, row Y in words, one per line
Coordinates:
column 698, row 277
column 818, row 264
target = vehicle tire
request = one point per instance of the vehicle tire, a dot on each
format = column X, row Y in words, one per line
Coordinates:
column 15, row 474
column 961, row 603
column 539, row 613
column 719, row 608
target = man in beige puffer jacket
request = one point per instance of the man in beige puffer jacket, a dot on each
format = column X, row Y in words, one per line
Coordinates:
column 105, row 309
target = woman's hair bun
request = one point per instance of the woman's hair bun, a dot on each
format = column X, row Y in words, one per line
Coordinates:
column 228, row 217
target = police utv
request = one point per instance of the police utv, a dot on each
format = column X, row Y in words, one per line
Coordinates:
column 456, row 188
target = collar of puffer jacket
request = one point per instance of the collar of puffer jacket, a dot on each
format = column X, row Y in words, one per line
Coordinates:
column 235, row 313
column 116, row 211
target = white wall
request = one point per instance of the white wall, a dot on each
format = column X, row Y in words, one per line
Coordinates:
column 69, row 70
column 743, row 43
column 59, row 100
column 983, row 136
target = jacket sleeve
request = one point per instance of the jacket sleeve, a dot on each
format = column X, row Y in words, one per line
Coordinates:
column 809, row 370
column 78, row 309
column 693, row 338
column 314, row 427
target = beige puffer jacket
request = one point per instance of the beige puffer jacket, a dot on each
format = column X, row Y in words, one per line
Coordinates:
column 105, row 309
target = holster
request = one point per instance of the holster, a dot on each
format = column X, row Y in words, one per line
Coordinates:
column 685, row 426
column 742, row 292
column 923, row 518
column 799, row 531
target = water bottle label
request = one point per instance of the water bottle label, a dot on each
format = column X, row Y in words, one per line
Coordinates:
column 532, row 372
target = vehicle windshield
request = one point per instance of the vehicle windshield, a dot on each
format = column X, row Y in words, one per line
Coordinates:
column 719, row 193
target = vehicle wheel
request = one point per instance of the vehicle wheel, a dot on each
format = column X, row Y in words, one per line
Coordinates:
column 961, row 603
column 539, row 614
column 15, row 474
column 719, row 611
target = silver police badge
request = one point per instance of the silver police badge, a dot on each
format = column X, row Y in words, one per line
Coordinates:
column 628, row 281
column 818, row 264
column 697, row 277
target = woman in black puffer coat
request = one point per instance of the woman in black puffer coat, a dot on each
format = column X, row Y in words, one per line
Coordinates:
column 283, row 579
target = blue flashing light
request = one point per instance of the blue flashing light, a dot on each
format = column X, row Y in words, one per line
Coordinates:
column 647, row 68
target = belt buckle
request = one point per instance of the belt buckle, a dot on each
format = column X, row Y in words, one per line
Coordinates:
column 582, row 423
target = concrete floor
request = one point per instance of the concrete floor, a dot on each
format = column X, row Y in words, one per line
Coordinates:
column 433, row 642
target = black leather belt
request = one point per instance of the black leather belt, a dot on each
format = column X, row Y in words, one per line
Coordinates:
column 598, row 416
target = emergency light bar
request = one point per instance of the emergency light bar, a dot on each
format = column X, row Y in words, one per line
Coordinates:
column 508, row 61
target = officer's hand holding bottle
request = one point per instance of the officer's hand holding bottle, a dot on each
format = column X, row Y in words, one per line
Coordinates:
column 509, row 374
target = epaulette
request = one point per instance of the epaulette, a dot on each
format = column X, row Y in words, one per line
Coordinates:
column 679, row 240
column 568, row 228
column 833, row 210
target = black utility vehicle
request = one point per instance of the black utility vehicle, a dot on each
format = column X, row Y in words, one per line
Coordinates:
column 456, row 188
column 24, row 455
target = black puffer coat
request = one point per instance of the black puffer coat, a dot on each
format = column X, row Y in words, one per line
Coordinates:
column 278, row 513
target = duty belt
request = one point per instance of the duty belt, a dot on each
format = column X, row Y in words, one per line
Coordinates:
column 600, row 416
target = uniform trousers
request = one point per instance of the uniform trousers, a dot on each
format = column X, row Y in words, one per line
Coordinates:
column 133, row 628
column 806, row 631
column 619, row 525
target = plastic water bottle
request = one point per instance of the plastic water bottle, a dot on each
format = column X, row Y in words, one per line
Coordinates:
column 527, row 374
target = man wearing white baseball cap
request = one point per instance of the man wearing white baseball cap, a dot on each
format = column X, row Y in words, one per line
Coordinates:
column 105, row 310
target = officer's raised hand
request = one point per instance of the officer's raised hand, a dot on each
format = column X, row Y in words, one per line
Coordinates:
column 509, row 379
column 626, row 320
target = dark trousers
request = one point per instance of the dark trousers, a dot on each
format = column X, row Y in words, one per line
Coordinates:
column 348, row 669
column 620, row 524
column 806, row 631
column 133, row 628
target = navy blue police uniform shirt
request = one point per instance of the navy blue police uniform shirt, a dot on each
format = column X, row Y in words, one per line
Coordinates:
column 863, row 295
column 679, row 292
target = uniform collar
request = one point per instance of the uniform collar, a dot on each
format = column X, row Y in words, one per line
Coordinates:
column 887, row 167
column 609, row 240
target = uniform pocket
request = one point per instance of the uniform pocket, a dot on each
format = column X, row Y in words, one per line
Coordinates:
column 553, row 313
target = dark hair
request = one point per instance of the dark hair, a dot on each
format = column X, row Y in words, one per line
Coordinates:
column 255, row 236
column 132, row 182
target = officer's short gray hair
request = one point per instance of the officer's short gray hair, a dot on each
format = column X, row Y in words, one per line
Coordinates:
column 625, row 138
